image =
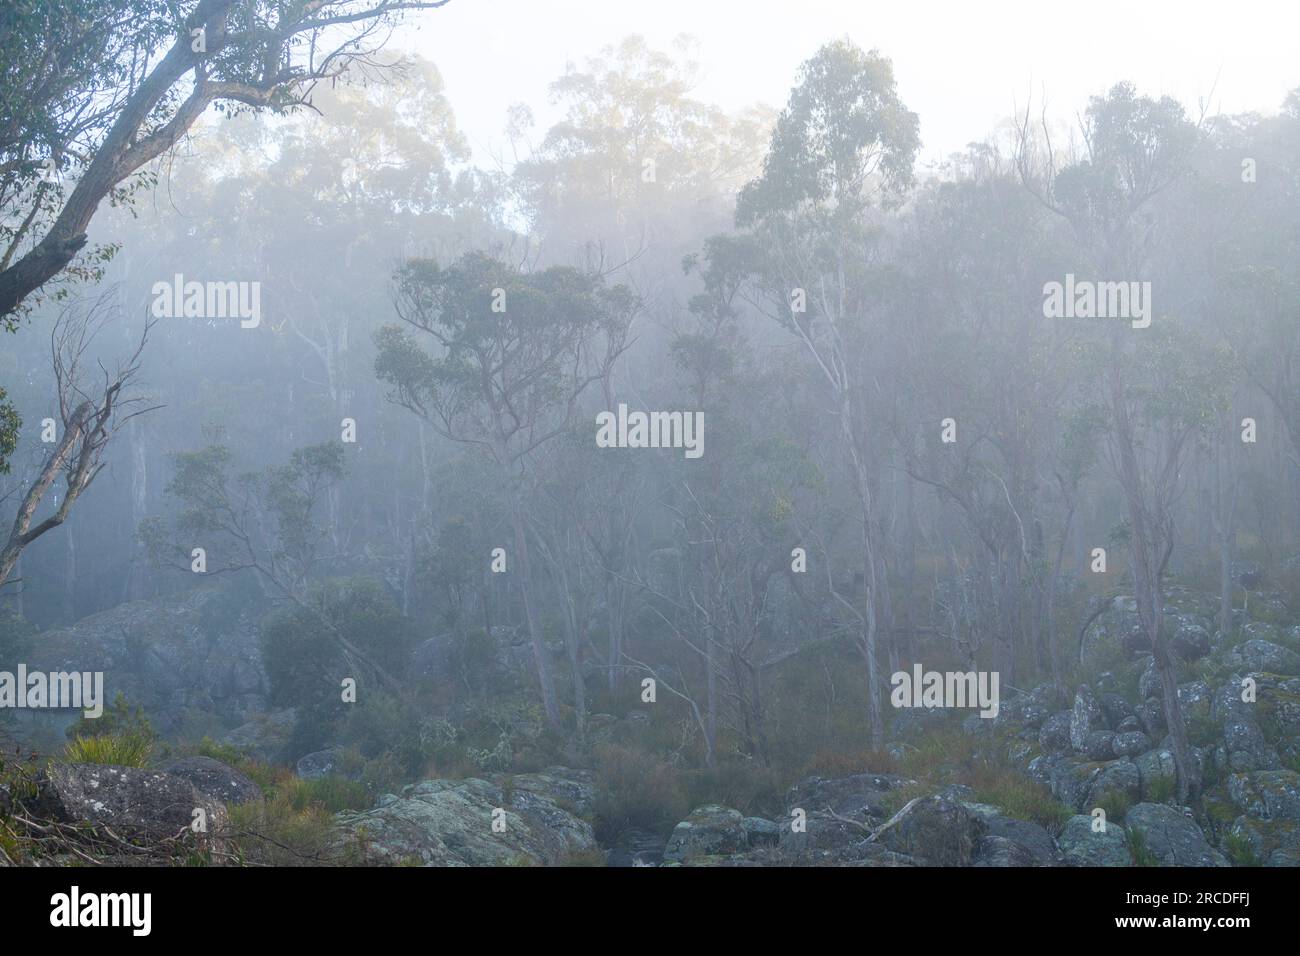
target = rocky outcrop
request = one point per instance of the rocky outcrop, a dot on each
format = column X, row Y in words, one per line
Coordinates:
column 470, row 822
column 193, row 664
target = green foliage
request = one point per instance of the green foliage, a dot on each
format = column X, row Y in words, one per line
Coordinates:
column 843, row 135
column 10, row 426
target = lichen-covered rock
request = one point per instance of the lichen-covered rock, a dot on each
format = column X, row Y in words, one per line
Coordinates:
column 1158, row 773
column 1266, row 656
column 1054, row 735
column 450, row 823
column 1082, row 845
column 935, row 831
column 232, row 787
column 710, row 830
column 1172, row 836
column 141, row 805
column 1268, row 842
column 1131, row 744
column 1099, row 745
column 1086, row 716
column 1267, row 794
column 1115, row 782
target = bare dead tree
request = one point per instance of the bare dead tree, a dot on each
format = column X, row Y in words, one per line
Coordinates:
column 89, row 416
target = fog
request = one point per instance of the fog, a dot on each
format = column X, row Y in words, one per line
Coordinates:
column 755, row 439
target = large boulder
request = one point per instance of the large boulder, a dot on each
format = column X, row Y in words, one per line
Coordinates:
column 1171, row 836
column 934, row 831
column 1008, row 841
column 710, row 830
column 140, row 805
column 451, row 823
column 1082, row 843
column 232, row 787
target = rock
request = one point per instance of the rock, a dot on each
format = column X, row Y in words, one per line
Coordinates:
column 1171, row 836
column 1115, row 782
column 1033, row 845
column 1131, row 744
column 263, row 737
column 859, row 796
column 1194, row 699
column 1267, row 794
column 1158, row 772
column 1116, row 709
column 1190, row 641
column 710, row 830
column 761, row 832
column 193, row 664
column 1081, row 846
column 1128, row 725
column 574, row 790
column 1258, row 655
column 449, row 823
column 1054, row 736
column 1086, row 716
column 1099, row 745
column 232, row 787
column 1270, row 842
column 317, row 764
column 935, row 831
column 142, row 805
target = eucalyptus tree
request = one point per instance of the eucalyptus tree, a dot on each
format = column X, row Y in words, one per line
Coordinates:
column 842, row 149
column 509, row 354
column 1157, row 386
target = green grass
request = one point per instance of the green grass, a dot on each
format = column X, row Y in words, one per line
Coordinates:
column 127, row 749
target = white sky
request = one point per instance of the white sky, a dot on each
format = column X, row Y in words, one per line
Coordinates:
column 960, row 65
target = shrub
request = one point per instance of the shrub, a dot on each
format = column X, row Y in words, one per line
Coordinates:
column 636, row 790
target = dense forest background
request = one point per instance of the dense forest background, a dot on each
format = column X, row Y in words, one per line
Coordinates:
column 904, row 461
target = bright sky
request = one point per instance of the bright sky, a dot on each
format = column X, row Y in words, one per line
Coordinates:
column 961, row 65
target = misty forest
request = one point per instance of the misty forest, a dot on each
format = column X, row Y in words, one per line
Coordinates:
column 676, row 486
